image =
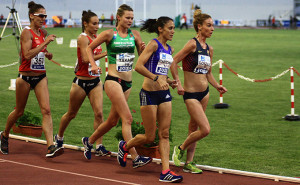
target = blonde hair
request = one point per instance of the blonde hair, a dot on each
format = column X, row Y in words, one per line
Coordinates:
column 199, row 18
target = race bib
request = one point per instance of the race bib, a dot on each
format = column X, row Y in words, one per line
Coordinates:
column 90, row 67
column 124, row 62
column 38, row 62
column 164, row 63
column 203, row 64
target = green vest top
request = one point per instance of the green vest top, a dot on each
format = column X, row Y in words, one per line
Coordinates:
column 119, row 45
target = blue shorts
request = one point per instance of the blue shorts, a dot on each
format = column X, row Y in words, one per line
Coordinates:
column 195, row 95
column 87, row 85
column 154, row 97
column 32, row 80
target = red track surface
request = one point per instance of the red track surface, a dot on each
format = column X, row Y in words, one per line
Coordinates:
column 26, row 164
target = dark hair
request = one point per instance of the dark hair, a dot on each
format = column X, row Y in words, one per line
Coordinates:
column 121, row 10
column 199, row 18
column 34, row 8
column 151, row 25
column 86, row 16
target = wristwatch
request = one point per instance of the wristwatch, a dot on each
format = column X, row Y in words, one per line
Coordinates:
column 155, row 79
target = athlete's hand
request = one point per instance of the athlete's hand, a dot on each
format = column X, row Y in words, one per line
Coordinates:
column 221, row 89
column 95, row 69
column 172, row 83
column 180, row 89
column 100, row 70
column 50, row 38
column 143, row 46
column 162, row 83
column 48, row 55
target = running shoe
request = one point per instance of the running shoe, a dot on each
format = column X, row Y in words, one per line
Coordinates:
column 141, row 161
column 177, row 155
column 122, row 154
column 101, row 151
column 59, row 143
column 87, row 148
column 3, row 143
column 54, row 151
column 170, row 177
column 191, row 168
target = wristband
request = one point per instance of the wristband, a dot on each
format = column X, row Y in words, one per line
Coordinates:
column 155, row 79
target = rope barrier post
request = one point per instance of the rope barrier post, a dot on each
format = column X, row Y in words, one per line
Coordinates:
column 292, row 116
column 221, row 105
column 106, row 66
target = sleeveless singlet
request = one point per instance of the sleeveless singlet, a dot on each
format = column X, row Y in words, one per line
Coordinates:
column 199, row 61
column 84, row 69
column 120, row 51
column 160, row 61
column 37, row 63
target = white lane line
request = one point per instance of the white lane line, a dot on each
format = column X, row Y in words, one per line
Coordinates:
column 61, row 171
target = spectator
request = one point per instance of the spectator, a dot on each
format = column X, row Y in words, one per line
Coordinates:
column 273, row 22
column 112, row 19
column 270, row 20
column 183, row 21
column 102, row 18
column 291, row 22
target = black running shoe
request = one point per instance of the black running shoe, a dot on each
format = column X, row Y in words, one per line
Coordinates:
column 3, row 143
column 54, row 151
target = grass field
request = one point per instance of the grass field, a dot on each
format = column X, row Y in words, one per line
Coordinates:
column 251, row 135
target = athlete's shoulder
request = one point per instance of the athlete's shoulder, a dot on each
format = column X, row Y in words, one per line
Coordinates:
column 83, row 37
column 135, row 33
column 26, row 33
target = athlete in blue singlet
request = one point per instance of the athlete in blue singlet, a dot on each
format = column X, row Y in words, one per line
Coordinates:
column 155, row 97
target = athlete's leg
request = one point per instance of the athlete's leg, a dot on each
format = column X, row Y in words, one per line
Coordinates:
column 193, row 126
column 22, row 93
column 148, row 113
column 119, row 100
column 42, row 95
column 196, row 111
column 77, row 96
column 96, row 100
column 106, row 126
column 164, row 120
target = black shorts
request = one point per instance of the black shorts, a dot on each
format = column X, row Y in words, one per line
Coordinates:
column 32, row 80
column 154, row 97
column 195, row 95
column 124, row 84
column 87, row 85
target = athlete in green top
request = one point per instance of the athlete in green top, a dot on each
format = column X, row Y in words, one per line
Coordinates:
column 120, row 43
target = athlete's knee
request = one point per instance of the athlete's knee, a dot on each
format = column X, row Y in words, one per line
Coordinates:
column 46, row 111
column 205, row 131
column 19, row 113
column 112, row 121
column 163, row 134
column 71, row 115
column 99, row 115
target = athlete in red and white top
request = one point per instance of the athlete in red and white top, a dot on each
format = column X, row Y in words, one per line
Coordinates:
column 32, row 75
column 86, row 83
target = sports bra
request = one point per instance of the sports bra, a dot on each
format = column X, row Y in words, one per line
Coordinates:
column 199, row 61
